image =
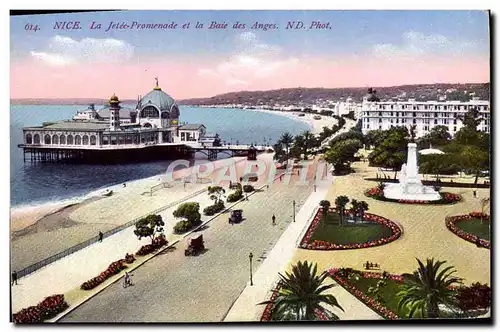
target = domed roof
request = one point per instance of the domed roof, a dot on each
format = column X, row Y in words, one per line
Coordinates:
column 157, row 98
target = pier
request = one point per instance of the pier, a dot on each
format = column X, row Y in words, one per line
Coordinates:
column 112, row 154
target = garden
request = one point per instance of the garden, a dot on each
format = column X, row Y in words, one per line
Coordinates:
column 340, row 228
column 49, row 308
column 402, row 296
column 473, row 227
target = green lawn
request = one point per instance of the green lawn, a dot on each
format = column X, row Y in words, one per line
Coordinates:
column 330, row 231
column 388, row 294
column 474, row 226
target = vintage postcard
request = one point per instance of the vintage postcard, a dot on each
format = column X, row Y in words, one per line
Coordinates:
column 250, row 166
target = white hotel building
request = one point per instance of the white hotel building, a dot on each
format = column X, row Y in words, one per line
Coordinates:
column 425, row 115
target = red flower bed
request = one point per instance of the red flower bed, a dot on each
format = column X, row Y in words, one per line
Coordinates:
column 49, row 308
column 370, row 302
column 158, row 242
column 113, row 268
column 266, row 315
column 451, row 225
column 446, row 198
column 324, row 245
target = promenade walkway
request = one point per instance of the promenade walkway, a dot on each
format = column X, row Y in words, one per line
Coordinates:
column 71, row 271
column 278, row 261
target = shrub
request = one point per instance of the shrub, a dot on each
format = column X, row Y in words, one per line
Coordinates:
column 184, row 226
column 236, row 196
column 49, row 308
column 248, row 188
column 213, row 209
column 129, row 258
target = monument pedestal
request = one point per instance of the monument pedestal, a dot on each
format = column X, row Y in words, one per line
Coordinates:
column 410, row 187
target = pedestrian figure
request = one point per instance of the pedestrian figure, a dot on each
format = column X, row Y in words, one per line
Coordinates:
column 474, row 193
column 100, row 236
column 14, row 278
column 127, row 281
column 274, row 220
column 367, row 265
column 314, row 188
column 124, row 185
column 230, row 184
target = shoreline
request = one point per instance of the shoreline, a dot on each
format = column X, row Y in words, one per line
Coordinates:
column 25, row 217
column 316, row 126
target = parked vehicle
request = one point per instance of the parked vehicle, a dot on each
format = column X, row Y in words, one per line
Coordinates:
column 236, row 216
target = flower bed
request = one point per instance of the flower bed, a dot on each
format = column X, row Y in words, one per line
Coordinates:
column 446, row 198
column 370, row 302
column 451, row 225
column 158, row 242
column 324, row 245
column 113, row 268
column 49, row 308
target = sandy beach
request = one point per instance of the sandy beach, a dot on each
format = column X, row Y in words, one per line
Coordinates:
column 315, row 125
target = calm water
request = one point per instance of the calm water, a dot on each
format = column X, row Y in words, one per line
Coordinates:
column 38, row 183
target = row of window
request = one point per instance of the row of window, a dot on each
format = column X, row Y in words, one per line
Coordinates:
column 415, row 114
column 433, row 107
column 62, row 139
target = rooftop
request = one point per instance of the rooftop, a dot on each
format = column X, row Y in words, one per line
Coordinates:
column 191, row 126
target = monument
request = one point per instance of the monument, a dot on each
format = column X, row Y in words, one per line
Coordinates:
column 410, row 187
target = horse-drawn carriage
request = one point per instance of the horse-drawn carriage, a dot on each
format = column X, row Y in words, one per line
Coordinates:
column 196, row 245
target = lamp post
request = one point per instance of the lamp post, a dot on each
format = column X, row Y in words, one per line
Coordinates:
column 251, row 280
column 294, row 211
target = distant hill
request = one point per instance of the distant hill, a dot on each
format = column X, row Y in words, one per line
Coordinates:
column 298, row 96
column 307, row 96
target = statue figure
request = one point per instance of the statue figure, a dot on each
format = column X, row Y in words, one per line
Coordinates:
column 412, row 133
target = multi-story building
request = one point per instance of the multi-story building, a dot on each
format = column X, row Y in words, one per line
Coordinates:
column 425, row 115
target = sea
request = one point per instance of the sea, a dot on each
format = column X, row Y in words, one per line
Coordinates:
column 34, row 184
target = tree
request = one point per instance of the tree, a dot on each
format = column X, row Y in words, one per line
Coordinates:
column 392, row 151
column 362, row 208
column 354, row 208
column 427, row 288
column 340, row 204
column 302, row 295
column 286, row 139
column 325, row 205
column 305, row 142
column 216, row 193
column 342, row 154
column 188, row 210
column 348, row 135
column 437, row 137
column 149, row 226
column 474, row 159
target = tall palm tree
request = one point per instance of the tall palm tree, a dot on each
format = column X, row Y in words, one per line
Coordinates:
column 362, row 208
column 286, row 139
column 325, row 205
column 428, row 287
column 354, row 208
column 309, row 140
column 340, row 204
column 301, row 294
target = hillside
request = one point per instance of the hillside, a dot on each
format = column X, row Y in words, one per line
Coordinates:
column 301, row 96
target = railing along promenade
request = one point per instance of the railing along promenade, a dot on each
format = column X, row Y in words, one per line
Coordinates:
column 38, row 265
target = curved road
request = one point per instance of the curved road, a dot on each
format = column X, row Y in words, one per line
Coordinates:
column 175, row 288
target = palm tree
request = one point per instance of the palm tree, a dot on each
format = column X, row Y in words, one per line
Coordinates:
column 301, row 295
column 362, row 208
column 325, row 205
column 428, row 287
column 340, row 204
column 309, row 140
column 286, row 139
column 354, row 208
